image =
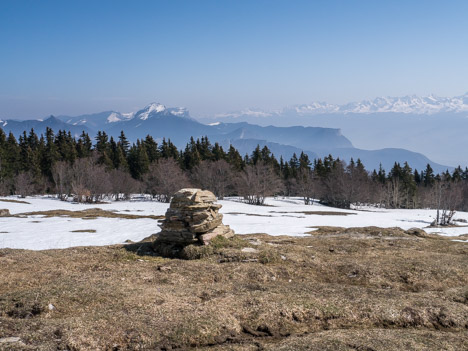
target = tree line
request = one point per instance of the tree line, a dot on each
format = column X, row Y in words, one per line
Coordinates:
column 90, row 170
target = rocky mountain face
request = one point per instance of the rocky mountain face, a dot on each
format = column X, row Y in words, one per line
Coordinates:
column 177, row 125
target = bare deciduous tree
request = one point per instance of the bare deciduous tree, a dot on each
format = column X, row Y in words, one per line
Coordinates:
column 306, row 185
column 61, row 173
column 215, row 176
column 335, row 187
column 448, row 197
column 257, row 182
column 123, row 184
column 89, row 181
column 164, row 179
column 24, row 184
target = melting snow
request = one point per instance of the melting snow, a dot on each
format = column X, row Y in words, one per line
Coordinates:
column 283, row 216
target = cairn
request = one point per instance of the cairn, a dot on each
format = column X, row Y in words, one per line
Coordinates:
column 192, row 218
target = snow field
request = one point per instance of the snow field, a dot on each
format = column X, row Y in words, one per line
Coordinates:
column 282, row 216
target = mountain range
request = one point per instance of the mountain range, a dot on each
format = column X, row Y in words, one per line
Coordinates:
column 425, row 105
column 177, row 125
column 431, row 125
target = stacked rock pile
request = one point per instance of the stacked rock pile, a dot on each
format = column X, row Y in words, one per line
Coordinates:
column 193, row 217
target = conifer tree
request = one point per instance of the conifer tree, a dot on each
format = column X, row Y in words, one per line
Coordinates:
column 218, row 152
column 304, row 162
column 84, row 145
column 152, row 149
column 138, row 160
column 234, row 158
column 124, row 144
column 256, row 156
column 428, row 176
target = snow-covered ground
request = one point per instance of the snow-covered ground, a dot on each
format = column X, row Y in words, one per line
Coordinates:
column 282, row 216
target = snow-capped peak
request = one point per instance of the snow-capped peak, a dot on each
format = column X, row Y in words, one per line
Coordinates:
column 117, row 117
column 407, row 104
column 113, row 117
column 153, row 107
column 145, row 113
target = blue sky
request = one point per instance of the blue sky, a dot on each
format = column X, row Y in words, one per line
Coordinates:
column 74, row 57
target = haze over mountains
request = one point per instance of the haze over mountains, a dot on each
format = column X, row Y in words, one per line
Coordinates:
column 408, row 104
column 434, row 126
column 386, row 124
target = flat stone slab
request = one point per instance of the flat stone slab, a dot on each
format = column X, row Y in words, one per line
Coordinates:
column 193, row 216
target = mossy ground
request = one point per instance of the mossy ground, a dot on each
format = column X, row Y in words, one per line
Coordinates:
column 353, row 289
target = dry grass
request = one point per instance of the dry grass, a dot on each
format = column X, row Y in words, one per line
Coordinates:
column 15, row 201
column 356, row 289
column 91, row 213
column 84, row 231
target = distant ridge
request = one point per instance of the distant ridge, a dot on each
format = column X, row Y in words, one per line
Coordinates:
column 176, row 124
column 411, row 104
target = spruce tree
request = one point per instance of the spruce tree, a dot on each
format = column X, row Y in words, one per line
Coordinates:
column 152, row 149
column 124, row 144
column 428, row 176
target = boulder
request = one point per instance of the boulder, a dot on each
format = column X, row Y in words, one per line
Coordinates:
column 192, row 217
column 4, row 212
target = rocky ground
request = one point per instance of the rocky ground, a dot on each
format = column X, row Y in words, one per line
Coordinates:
column 339, row 289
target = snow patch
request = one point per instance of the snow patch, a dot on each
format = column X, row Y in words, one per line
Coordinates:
column 283, row 216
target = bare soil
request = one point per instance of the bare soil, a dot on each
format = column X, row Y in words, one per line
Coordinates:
column 354, row 289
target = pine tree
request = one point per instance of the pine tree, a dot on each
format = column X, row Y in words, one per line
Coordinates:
column 256, row 156
column 84, row 145
column 152, row 149
column 428, row 176
column 124, row 144
column 191, row 155
column 205, row 149
column 304, row 162
column 218, row 152
column 234, row 158
column 294, row 165
column 50, row 154
column 417, row 177
column 381, row 176
column 138, row 161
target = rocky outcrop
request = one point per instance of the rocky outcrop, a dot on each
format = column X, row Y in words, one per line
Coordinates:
column 193, row 217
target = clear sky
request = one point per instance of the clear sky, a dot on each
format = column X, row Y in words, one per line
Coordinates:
column 74, row 57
